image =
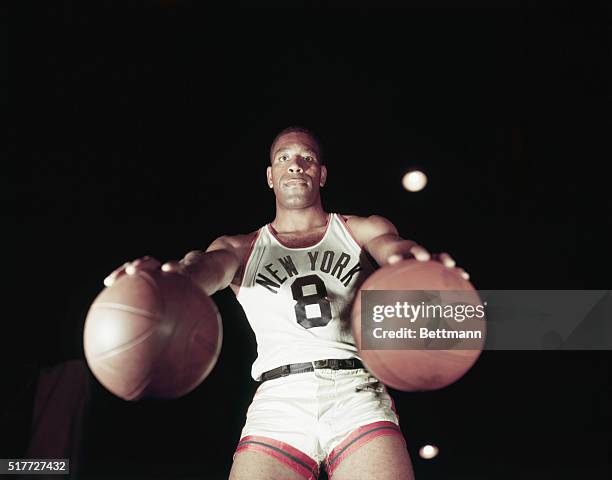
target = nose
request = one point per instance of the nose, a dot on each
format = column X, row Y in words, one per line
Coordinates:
column 296, row 164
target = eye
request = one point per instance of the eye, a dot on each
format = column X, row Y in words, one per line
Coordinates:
column 283, row 158
column 308, row 158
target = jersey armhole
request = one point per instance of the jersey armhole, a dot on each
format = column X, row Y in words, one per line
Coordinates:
column 373, row 263
column 245, row 261
column 348, row 229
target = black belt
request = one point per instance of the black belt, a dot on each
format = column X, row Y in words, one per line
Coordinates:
column 334, row 364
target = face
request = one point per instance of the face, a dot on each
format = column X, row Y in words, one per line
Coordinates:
column 295, row 172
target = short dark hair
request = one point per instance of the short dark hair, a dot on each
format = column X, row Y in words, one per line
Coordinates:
column 298, row 129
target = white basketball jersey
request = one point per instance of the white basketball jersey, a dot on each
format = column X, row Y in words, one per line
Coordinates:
column 298, row 300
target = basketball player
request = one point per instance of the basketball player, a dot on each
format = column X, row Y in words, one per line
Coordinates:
column 296, row 278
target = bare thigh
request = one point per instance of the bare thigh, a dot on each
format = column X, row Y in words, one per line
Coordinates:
column 382, row 458
column 253, row 465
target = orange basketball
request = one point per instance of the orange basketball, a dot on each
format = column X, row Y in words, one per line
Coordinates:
column 418, row 368
column 154, row 335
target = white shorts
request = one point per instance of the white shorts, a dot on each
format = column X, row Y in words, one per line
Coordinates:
column 304, row 419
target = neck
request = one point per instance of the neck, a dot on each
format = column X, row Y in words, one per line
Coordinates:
column 299, row 219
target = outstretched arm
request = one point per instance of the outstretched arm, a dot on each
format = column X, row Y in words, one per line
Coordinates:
column 382, row 241
column 212, row 270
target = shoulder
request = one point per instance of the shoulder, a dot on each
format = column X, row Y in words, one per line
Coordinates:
column 367, row 228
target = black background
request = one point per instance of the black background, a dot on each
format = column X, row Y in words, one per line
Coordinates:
column 143, row 128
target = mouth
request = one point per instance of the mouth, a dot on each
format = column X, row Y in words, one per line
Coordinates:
column 292, row 182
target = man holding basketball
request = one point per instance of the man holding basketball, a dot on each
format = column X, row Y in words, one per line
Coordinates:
column 296, row 279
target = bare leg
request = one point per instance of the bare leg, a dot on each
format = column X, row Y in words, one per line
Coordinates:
column 382, row 458
column 251, row 465
column 262, row 458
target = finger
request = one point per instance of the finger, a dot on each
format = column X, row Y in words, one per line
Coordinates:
column 394, row 258
column 143, row 264
column 446, row 260
column 420, row 253
column 115, row 274
column 463, row 273
column 171, row 267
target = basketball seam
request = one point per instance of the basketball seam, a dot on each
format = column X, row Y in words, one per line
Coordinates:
column 126, row 346
column 127, row 309
column 133, row 394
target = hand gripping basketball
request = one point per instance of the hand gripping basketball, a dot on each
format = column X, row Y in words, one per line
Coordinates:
column 418, row 369
column 151, row 333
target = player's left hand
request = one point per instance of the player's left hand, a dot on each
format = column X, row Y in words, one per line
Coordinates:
column 421, row 254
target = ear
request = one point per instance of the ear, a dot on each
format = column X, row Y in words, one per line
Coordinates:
column 269, row 177
column 323, row 175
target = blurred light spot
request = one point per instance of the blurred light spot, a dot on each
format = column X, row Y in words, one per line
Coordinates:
column 428, row 451
column 414, row 181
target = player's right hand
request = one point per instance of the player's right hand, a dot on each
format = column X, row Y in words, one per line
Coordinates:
column 185, row 265
column 130, row 268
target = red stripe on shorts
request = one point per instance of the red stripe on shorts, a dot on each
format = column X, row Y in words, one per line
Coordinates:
column 283, row 452
column 356, row 439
